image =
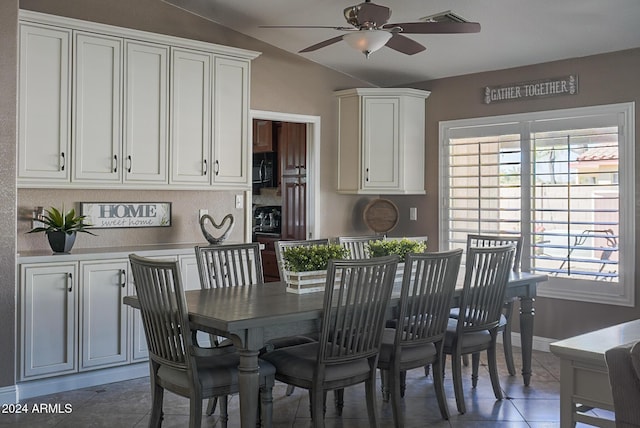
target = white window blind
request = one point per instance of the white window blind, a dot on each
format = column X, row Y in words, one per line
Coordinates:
column 556, row 179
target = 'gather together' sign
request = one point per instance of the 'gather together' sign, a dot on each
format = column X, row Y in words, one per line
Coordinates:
column 127, row 214
column 566, row 85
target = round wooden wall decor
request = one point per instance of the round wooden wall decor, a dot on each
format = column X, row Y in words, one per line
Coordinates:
column 381, row 215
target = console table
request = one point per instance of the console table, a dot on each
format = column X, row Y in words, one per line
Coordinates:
column 584, row 378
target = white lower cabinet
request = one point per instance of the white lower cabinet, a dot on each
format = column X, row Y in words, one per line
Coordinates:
column 103, row 317
column 72, row 316
column 48, row 316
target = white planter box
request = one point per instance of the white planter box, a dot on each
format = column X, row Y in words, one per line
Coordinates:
column 308, row 282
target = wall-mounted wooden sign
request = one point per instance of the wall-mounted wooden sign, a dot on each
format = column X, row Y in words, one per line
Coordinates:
column 126, row 214
column 565, row 85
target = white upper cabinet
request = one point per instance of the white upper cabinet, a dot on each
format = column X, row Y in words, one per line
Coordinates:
column 97, row 136
column 190, row 116
column 231, row 116
column 381, row 141
column 44, row 147
column 148, row 110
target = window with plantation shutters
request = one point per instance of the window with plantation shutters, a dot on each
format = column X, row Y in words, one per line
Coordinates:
column 562, row 179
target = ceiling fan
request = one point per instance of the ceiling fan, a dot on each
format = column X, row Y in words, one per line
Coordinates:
column 369, row 30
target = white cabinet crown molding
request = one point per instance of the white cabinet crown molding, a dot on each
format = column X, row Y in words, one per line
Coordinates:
column 105, row 29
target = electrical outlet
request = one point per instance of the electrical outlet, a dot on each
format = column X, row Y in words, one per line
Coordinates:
column 202, row 212
column 239, row 202
column 413, row 213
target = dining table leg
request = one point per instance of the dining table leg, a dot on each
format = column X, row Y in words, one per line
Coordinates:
column 248, row 387
column 527, row 312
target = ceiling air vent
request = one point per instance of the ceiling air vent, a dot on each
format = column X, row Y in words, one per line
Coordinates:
column 447, row 16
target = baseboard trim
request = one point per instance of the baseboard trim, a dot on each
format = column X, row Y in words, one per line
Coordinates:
column 539, row 343
column 8, row 394
column 39, row 387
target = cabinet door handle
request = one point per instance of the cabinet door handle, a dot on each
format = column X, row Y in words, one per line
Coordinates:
column 129, row 163
column 115, row 163
column 366, row 176
column 70, row 281
column 64, row 161
column 217, row 167
column 123, row 278
column 206, row 167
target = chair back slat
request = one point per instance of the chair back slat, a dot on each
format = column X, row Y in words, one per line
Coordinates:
column 163, row 308
column 428, row 285
column 357, row 245
column 281, row 245
column 356, row 296
column 486, row 276
column 498, row 240
column 229, row 265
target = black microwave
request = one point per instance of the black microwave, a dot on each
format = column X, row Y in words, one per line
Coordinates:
column 264, row 170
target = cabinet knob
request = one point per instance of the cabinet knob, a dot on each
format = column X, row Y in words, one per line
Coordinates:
column 70, row 281
column 366, row 176
column 129, row 163
column 115, row 163
column 217, row 167
column 123, row 278
column 206, row 167
column 64, row 161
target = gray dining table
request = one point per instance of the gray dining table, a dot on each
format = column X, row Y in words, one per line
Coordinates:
column 251, row 315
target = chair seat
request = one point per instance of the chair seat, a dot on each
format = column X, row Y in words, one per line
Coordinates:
column 469, row 340
column 299, row 362
column 408, row 354
column 218, row 372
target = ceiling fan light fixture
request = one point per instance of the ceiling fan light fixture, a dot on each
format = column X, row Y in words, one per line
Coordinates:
column 367, row 41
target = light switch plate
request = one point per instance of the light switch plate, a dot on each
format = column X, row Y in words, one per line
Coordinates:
column 413, row 213
column 239, row 202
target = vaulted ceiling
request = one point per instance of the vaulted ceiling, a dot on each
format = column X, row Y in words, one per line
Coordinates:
column 513, row 33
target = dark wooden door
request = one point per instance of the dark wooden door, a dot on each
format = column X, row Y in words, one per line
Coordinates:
column 292, row 147
column 294, row 207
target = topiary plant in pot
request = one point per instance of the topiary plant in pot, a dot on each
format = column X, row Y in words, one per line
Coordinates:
column 61, row 228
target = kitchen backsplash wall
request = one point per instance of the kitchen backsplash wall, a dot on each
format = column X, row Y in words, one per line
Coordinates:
column 184, row 216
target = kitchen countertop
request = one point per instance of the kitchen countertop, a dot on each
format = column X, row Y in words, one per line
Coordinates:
column 38, row 256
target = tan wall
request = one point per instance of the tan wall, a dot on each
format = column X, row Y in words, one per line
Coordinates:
column 8, row 57
column 603, row 79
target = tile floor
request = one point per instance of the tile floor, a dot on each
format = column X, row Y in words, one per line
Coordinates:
column 128, row 403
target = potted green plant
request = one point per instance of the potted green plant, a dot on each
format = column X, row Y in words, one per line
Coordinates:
column 401, row 247
column 61, row 228
column 307, row 265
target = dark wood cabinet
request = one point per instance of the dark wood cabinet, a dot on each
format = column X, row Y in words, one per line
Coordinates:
column 262, row 136
column 292, row 150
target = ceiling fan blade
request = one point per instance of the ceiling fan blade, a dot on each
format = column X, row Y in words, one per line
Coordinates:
column 435, row 27
column 322, row 44
column 308, row 26
column 404, row 44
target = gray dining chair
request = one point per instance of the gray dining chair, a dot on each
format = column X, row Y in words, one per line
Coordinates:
column 507, row 311
column 176, row 362
column 230, row 265
column 352, row 322
column 476, row 328
column 428, row 283
column 281, row 245
column 357, row 245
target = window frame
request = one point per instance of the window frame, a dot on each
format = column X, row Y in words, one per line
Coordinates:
column 622, row 294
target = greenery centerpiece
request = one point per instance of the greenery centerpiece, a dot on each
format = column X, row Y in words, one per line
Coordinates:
column 61, row 228
column 401, row 247
column 307, row 266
